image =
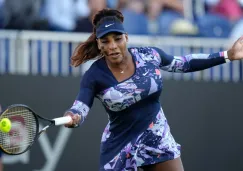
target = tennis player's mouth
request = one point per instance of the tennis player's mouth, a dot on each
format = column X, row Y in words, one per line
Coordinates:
column 114, row 55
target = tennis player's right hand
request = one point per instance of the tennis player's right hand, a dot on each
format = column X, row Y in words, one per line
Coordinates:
column 76, row 118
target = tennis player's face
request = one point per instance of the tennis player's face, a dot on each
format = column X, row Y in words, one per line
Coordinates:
column 114, row 47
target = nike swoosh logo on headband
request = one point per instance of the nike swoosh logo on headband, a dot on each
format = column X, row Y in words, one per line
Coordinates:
column 108, row 25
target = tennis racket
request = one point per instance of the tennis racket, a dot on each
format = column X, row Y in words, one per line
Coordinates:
column 25, row 129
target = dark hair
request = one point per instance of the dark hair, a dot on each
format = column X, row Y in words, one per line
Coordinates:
column 89, row 49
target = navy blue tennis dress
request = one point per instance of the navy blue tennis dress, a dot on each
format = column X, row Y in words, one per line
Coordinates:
column 138, row 133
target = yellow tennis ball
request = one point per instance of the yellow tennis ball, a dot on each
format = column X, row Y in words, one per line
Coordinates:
column 5, row 125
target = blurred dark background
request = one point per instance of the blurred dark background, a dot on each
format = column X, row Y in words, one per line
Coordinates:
column 204, row 18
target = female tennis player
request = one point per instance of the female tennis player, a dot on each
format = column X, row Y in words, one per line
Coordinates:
column 128, row 82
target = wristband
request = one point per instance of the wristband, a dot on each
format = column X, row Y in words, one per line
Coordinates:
column 226, row 56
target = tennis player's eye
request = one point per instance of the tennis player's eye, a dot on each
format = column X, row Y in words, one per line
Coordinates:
column 118, row 38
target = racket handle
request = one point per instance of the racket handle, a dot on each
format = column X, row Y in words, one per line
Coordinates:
column 62, row 120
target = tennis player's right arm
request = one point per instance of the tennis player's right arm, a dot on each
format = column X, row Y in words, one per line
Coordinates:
column 83, row 102
column 78, row 113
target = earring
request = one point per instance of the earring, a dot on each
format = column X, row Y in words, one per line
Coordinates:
column 102, row 55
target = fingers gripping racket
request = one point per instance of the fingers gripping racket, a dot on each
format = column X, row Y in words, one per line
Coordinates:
column 25, row 128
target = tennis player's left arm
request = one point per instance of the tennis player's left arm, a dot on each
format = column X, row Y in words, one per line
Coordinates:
column 191, row 62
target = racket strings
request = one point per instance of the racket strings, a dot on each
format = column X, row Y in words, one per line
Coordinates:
column 23, row 130
column 20, row 139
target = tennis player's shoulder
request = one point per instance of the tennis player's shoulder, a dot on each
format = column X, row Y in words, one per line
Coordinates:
column 91, row 67
column 148, row 54
column 143, row 50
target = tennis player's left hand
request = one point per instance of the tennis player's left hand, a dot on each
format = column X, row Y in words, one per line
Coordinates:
column 236, row 51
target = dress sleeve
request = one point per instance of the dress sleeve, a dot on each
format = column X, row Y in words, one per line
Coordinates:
column 189, row 63
column 85, row 97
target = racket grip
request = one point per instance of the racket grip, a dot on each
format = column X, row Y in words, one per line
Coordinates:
column 62, row 120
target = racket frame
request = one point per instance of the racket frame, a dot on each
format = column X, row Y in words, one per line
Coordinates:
column 38, row 131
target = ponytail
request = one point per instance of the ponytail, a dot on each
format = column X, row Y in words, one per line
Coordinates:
column 85, row 51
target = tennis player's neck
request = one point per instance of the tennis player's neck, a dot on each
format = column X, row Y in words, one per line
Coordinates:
column 127, row 59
